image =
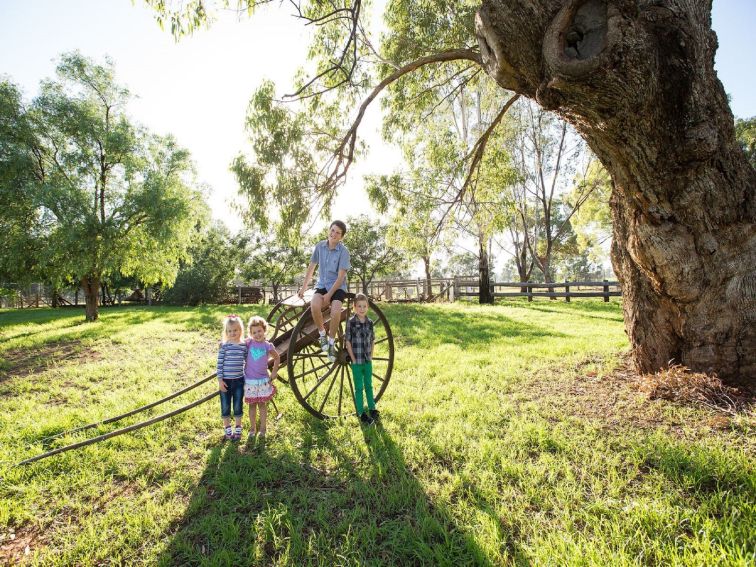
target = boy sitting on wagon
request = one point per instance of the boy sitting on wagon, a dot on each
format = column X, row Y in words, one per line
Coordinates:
column 332, row 259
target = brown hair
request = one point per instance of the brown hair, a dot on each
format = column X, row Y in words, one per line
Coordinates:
column 360, row 297
column 257, row 321
column 341, row 225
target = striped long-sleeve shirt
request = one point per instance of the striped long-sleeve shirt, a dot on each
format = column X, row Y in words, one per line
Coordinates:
column 231, row 360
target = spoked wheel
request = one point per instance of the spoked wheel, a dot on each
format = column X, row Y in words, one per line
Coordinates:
column 326, row 388
column 285, row 315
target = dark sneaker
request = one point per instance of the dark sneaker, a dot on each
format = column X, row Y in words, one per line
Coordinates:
column 227, row 434
column 365, row 419
column 324, row 343
column 236, row 435
column 331, row 352
column 375, row 414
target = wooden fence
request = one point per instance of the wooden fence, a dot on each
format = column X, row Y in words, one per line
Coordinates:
column 391, row 290
column 467, row 287
column 453, row 289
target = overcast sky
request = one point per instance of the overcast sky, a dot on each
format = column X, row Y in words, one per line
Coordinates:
column 198, row 88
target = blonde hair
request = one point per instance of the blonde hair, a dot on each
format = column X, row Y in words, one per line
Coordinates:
column 229, row 320
column 257, row 321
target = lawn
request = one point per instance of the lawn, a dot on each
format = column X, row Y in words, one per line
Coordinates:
column 510, row 434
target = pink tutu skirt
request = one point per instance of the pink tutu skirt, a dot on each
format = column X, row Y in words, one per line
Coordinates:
column 258, row 390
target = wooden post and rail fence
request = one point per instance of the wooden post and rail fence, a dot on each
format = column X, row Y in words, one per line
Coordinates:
column 390, row 290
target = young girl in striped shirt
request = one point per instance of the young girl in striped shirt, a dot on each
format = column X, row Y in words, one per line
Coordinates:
column 231, row 356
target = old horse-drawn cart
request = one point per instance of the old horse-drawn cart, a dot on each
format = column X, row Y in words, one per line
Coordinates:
column 323, row 387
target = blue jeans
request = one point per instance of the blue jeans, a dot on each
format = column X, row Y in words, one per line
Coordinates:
column 234, row 393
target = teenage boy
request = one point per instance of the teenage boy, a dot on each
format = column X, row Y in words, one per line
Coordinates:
column 332, row 259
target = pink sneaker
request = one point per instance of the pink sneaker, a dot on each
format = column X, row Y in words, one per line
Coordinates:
column 236, row 435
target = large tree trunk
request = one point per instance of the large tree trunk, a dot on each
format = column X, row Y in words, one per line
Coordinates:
column 91, row 285
column 636, row 78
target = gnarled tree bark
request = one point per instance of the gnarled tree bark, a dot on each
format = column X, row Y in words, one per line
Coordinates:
column 636, row 78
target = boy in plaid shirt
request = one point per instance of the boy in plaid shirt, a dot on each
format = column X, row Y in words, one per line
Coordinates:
column 360, row 339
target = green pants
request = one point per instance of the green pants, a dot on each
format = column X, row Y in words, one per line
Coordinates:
column 363, row 378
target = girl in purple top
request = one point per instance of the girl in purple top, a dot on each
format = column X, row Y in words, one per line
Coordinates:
column 258, row 386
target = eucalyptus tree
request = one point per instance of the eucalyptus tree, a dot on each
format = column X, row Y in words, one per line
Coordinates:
column 637, row 81
column 413, row 201
column 280, row 174
column 547, row 156
column 592, row 221
column 273, row 260
column 371, row 254
column 107, row 196
column 474, row 201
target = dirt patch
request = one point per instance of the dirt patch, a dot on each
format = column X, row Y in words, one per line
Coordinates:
column 18, row 544
column 20, row 363
column 623, row 399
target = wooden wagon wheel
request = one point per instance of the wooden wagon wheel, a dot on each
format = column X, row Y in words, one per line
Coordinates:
column 285, row 315
column 326, row 388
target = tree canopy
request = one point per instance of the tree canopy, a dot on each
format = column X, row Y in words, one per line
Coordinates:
column 104, row 195
column 636, row 80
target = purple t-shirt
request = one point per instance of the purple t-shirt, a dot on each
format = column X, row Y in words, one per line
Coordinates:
column 257, row 359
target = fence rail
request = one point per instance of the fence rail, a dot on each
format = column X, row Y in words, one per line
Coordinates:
column 391, row 290
column 604, row 289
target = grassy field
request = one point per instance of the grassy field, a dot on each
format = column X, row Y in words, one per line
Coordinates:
column 510, row 434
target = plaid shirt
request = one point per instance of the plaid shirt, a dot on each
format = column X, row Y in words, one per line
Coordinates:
column 361, row 337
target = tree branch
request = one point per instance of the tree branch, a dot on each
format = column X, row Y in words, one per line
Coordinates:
column 477, row 154
column 343, row 155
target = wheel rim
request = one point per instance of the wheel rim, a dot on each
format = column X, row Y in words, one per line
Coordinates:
column 285, row 315
column 324, row 388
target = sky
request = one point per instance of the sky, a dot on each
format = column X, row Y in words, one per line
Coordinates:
column 198, row 89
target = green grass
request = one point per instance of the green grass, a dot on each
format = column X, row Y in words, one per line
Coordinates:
column 508, row 437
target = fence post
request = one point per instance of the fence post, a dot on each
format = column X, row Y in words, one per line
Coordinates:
column 530, row 292
column 606, row 291
column 567, row 291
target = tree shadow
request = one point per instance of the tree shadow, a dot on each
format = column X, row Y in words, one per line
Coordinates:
column 592, row 310
column 319, row 502
column 432, row 327
column 22, row 362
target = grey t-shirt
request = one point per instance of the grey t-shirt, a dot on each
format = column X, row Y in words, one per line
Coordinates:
column 329, row 263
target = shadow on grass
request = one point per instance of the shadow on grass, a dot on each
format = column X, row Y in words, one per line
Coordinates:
column 585, row 309
column 429, row 327
column 275, row 506
column 701, row 470
column 19, row 363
